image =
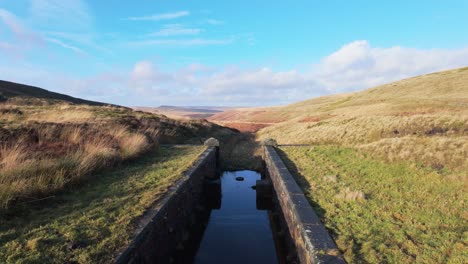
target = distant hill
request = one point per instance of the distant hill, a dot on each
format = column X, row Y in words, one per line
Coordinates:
column 11, row 90
column 186, row 112
column 424, row 119
column 187, row 109
column 431, row 92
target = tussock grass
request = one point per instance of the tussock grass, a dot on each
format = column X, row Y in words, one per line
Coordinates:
column 380, row 212
column 26, row 173
column 62, row 115
column 47, row 146
column 96, row 220
column 422, row 119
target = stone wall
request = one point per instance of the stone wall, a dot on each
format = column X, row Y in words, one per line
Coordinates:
column 164, row 229
column 309, row 241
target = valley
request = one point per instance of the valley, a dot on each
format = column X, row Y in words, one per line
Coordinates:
column 384, row 169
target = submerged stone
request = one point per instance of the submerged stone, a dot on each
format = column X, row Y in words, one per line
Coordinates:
column 239, row 178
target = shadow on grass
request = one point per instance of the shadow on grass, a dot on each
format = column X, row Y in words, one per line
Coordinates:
column 240, row 152
column 84, row 196
column 302, row 181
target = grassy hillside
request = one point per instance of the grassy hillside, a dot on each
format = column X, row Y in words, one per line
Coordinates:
column 94, row 221
column 25, row 94
column 436, row 92
column 423, row 119
column 54, row 143
column 387, row 168
column 381, row 212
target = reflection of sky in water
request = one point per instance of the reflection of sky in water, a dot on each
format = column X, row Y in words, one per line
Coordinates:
column 237, row 232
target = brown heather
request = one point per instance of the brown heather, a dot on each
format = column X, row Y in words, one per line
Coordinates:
column 47, row 147
column 29, row 170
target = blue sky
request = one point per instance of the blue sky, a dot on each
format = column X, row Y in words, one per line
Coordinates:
column 241, row 53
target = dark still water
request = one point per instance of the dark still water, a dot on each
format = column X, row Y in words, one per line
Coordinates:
column 237, row 232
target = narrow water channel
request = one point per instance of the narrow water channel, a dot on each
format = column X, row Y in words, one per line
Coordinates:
column 237, row 232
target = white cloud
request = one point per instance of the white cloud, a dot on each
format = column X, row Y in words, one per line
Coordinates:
column 181, row 42
column 158, row 17
column 17, row 27
column 84, row 39
column 355, row 66
column 19, row 40
column 175, row 30
column 66, row 46
column 147, row 80
column 46, row 19
column 69, row 24
column 146, row 71
column 97, row 87
column 358, row 65
column 69, row 15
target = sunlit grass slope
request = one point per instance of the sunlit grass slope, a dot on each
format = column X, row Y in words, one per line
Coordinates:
column 92, row 222
column 422, row 119
column 380, row 212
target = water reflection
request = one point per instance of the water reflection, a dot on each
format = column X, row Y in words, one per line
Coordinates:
column 237, row 232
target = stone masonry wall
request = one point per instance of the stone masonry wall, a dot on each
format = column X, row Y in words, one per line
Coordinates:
column 164, row 228
column 310, row 239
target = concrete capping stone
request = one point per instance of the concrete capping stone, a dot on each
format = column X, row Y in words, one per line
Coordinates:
column 162, row 226
column 269, row 142
column 212, row 142
column 312, row 242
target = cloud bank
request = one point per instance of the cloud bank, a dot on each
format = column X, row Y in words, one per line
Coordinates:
column 158, row 17
column 354, row 66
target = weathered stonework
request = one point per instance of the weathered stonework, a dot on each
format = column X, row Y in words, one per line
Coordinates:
column 164, row 228
column 311, row 241
column 211, row 142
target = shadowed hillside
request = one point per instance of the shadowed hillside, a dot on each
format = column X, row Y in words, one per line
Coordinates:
column 49, row 141
column 25, row 94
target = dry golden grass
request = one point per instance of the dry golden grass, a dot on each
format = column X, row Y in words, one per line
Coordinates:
column 27, row 173
column 45, row 148
column 12, row 157
column 58, row 115
column 133, row 145
column 422, row 119
column 101, row 215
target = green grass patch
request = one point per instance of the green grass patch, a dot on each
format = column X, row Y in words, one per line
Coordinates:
column 90, row 223
column 381, row 212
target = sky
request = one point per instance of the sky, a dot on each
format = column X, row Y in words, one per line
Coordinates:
column 225, row 53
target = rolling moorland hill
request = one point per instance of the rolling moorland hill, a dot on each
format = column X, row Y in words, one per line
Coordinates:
column 49, row 141
column 25, row 94
column 177, row 112
column 422, row 119
column 385, row 169
column 186, row 112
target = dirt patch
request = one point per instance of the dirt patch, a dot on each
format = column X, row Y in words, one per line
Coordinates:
column 436, row 131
